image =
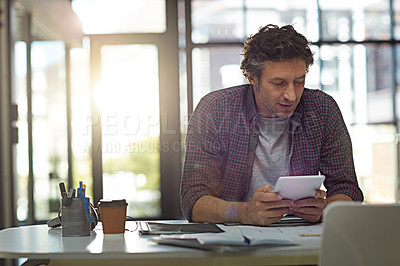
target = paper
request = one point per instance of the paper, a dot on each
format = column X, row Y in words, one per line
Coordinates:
column 239, row 236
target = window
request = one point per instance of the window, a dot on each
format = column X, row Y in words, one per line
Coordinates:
column 48, row 125
column 215, row 68
column 355, row 20
column 121, row 16
column 233, row 20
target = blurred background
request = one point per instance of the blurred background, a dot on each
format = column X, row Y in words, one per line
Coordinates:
column 101, row 91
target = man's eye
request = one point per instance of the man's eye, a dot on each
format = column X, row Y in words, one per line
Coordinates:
column 278, row 83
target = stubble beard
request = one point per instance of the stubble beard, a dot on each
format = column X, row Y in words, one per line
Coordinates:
column 262, row 101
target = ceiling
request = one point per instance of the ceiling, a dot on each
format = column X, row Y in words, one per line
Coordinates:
column 50, row 20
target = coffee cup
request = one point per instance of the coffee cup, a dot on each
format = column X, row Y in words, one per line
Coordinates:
column 113, row 215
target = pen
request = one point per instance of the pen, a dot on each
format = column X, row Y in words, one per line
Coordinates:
column 70, row 192
column 310, row 234
column 246, row 240
column 232, row 224
column 62, row 189
column 81, row 194
column 66, row 198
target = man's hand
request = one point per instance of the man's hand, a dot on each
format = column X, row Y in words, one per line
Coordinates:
column 310, row 209
column 265, row 207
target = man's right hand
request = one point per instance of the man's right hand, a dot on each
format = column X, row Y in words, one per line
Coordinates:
column 265, row 207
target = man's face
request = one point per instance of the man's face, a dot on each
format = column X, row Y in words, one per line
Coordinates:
column 280, row 88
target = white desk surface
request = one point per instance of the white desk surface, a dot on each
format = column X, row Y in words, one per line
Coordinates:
column 40, row 242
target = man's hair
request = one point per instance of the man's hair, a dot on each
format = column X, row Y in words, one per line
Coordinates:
column 273, row 44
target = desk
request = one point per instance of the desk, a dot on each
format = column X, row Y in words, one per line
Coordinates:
column 39, row 242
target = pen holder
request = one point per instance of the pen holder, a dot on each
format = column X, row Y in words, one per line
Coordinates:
column 74, row 220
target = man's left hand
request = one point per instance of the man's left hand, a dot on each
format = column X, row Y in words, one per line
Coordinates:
column 310, row 209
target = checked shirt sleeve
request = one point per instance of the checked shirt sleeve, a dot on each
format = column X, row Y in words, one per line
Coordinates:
column 337, row 157
column 203, row 159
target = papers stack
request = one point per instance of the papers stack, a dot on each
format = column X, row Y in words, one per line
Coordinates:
column 234, row 238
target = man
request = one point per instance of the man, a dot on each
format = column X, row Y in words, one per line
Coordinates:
column 241, row 139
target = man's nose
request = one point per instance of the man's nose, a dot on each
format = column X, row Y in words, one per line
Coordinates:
column 290, row 94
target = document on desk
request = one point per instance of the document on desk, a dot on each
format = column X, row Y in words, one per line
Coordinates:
column 247, row 236
column 238, row 236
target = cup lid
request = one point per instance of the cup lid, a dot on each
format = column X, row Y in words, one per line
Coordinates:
column 112, row 203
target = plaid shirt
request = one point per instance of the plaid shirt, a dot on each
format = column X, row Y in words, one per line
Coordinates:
column 222, row 137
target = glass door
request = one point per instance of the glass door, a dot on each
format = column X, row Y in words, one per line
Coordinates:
column 127, row 96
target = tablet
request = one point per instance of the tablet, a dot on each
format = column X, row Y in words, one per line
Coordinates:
column 298, row 187
column 157, row 228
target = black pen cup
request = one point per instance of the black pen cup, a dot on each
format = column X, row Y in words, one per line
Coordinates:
column 74, row 220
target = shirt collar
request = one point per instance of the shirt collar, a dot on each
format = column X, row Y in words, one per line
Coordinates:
column 251, row 104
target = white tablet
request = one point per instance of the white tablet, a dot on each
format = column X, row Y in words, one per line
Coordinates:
column 298, row 187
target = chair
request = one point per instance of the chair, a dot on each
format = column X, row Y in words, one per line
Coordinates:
column 360, row 234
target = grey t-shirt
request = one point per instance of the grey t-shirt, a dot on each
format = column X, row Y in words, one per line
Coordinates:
column 271, row 158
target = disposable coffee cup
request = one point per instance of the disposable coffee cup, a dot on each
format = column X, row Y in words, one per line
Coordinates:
column 113, row 215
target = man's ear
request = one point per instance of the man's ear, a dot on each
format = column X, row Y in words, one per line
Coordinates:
column 251, row 80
